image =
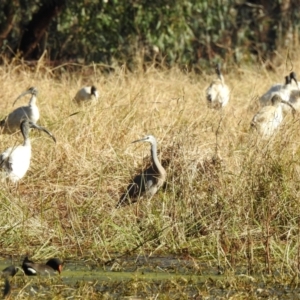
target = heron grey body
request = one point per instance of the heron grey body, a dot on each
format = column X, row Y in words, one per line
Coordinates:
column 149, row 181
column 217, row 94
column 86, row 95
column 11, row 123
column 15, row 161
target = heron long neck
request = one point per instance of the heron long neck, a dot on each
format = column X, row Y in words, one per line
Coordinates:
column 156, row 163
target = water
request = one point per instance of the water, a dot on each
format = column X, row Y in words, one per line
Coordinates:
column 143, row 277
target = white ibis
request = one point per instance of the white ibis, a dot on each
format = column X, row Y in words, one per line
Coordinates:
column 283, row 90
column 217, row 94
column 149, row 181
column 15, row 161
column 265, row 99
column 268, row 119
column 11, row 123
column 87, row 94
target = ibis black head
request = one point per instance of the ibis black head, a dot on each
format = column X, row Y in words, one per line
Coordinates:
column 287, row 79
column 218, row 69
column 94, row 91
column 293, row 76
column 27, row 124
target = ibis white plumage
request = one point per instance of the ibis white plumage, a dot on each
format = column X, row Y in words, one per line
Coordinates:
column 282, row 90
column 15, row 161
column 11, row 123
column 268, row 119
column 265, row 99
column 86, row 95
column 218, row 93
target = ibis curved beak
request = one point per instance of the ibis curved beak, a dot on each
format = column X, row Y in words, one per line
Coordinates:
column 293, row 76
column 33, row 125
column 290, row 105
column 29, row 91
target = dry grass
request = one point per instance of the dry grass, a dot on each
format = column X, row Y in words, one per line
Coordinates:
column 238, row 206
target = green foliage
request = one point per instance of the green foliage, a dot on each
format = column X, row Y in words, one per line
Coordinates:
column 188, row 32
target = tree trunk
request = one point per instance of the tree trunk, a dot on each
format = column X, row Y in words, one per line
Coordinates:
column 36, row 28
column 9, row 12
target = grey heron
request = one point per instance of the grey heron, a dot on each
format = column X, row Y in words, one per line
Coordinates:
column 149, row 181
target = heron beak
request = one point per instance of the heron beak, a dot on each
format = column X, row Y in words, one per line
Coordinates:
column 23, row 94
column 33, row 125
column 140, row 140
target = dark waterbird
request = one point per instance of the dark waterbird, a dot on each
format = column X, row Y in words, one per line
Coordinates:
column 52, row 266
column 10, row 271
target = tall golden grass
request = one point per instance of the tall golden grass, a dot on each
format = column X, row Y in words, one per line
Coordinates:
column 230, row 197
